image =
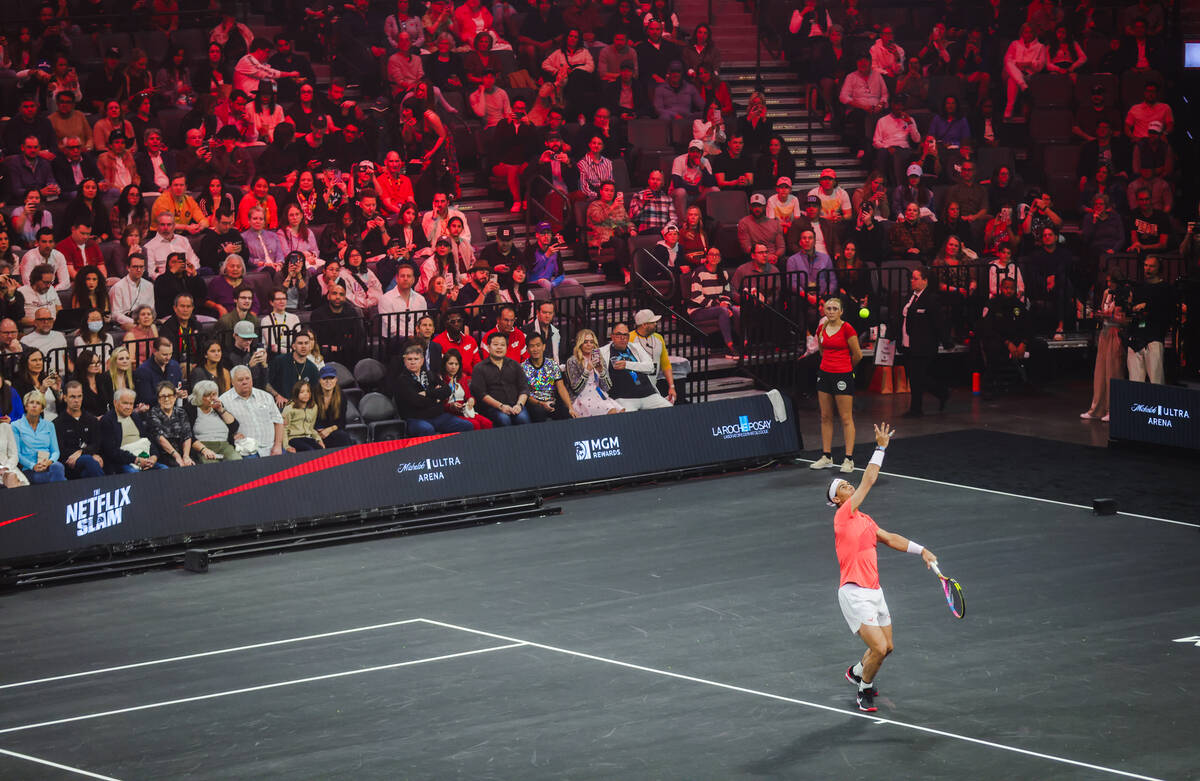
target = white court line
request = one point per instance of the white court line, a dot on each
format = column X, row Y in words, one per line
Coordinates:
column 1019, row 496
column 819, row 706
column 56, row 765
column 262, row 687
column 202, row 654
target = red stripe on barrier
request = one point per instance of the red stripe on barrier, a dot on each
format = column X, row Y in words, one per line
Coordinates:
column 14, row 520
column 340, row 458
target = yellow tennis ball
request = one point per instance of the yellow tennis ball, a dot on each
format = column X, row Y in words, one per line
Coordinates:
column 864, row 313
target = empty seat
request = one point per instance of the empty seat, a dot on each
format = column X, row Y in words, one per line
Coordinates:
column 1064, row 191
column 194, row 43
column 1051, row 125
column 369, row 374
column 383, row 422
column 479, row 235
column 1051, row 90
column 1059, row 159
column 991, row 158
column 621, row 176
column 153, row 42
column 649, row 134
column 941, row 86
column 726, row 207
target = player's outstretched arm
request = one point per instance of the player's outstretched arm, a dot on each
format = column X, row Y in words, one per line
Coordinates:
column 905, row 545
column 883, row 436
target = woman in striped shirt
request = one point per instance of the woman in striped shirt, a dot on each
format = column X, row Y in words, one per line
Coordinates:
column 711, row 302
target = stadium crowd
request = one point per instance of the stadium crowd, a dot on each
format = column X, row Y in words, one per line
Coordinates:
column 198, row 231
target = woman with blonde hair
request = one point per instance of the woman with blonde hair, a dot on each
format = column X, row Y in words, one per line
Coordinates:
column 119, row 373
column 37, row 442
column 840, row 354
column 588, row 382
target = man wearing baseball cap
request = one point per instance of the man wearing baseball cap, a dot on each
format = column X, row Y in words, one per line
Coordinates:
column 784, row 206
column 666, row 251
column 691, row 177
column 645, row 334
column 824, row 232
column 835, row 201
column 758, row 227
column 502, row 254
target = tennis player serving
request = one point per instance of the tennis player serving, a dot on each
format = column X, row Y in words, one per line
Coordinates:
column 855, row 536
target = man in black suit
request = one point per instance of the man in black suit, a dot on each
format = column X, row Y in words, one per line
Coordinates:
column 155, row 163
column 72, row 165
column 920, row 335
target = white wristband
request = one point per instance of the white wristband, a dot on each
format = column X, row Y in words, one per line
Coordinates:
column 877, row 457
column 915, row 548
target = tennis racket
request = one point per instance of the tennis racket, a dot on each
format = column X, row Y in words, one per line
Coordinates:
column 954, row 593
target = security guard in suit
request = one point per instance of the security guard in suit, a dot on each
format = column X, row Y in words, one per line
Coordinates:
column 920, row 334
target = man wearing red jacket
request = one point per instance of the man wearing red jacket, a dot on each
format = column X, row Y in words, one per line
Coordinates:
column 456, row 337
column 80, row 250
column 506, row 323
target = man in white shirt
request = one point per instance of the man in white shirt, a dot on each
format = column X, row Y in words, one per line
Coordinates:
column 44, row 253
column 255, row 412
column 253, row 67
column 164, row 243
column 43, row 336
column 887, row 56
column 131, row 291
column 401, row 299
column 896, row 135
column 489, row 102
column 433, row 222
column 279, row 324
column 39, row 293
column 864, row 96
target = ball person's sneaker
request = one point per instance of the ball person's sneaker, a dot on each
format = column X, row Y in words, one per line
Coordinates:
column 847, row 465
column 824, row 462
column 866, row 701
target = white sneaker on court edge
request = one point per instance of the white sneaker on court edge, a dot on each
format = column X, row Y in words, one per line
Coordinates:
column 824, row 462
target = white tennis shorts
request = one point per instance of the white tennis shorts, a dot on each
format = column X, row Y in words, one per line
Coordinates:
column 863, row 606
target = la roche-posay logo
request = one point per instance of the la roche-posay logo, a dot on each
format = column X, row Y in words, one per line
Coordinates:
column 745, row 427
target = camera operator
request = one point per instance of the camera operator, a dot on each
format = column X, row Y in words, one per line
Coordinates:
column 1150, row 309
